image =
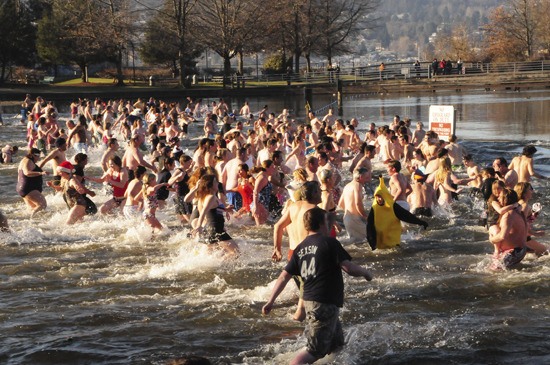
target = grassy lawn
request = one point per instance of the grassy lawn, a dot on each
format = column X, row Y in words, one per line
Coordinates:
column 92, row 80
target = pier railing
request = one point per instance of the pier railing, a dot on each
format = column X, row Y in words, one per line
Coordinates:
column 356, row 74
column 399, row 71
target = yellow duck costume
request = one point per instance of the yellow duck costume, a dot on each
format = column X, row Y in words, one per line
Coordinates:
column 384, row 221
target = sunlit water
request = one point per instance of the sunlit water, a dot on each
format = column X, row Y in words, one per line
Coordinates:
column 106, row 291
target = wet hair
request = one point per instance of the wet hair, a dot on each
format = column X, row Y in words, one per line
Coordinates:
column 80, row 157
column 358, row 172
column 244, row 167
column 488, row 172
column 497, row 184
column 529, row 150
column 204, row 185
column 276, row 154
column 322, row 156
column 442, row 153
column 300, row 174
column 522, row 188
column 509, row 196
column 419, row 152
column 116, row 160
column 395, row 164
column 308, row 191
column 325, row 175
column 314, row 219
column 267, row 164
column 184, row 158
column 140, row 171
column 145, row 180
column 60, row 142
column 370, row 148
column 33, row 152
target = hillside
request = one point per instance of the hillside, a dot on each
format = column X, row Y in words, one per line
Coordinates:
column 405, row 23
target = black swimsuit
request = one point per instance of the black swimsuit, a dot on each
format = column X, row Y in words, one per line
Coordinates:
column 214, row 229
column 26, row 184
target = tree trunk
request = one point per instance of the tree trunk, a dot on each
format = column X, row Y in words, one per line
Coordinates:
column 226, row 70
column 308, row 62
column 240, row 63
column 3, row 73
column 83, row 72
column 297, row 54
column 119, row 75
column 183, row 73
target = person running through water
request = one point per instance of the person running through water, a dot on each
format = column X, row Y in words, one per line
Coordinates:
column 150, row 201
column 319, row 261
column 30, row 182
column 210, row 223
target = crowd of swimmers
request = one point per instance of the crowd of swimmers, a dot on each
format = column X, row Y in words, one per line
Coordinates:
column 263, row 166
column 267, row 168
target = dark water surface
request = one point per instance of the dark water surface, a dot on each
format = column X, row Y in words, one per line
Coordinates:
column 106, row 292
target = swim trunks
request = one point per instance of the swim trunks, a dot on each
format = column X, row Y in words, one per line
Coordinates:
column 423, row 211
column 235, row 199
column 130, row 211
column 355, row 227
column 325, row 333
column 80, row 147
column 513, row 257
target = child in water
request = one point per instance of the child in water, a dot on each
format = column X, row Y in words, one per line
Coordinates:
column 150, row 202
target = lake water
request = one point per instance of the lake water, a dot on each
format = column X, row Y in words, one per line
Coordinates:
column 106, row 292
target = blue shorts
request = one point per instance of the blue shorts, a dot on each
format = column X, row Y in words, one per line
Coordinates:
column 80, row 147
column 235, row 199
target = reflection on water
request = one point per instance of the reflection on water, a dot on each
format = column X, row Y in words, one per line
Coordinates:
column 102, row 292
column 489, row 116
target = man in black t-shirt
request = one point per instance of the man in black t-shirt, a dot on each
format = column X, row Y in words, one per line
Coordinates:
column 319, row 260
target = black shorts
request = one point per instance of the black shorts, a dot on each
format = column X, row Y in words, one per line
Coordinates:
column 182, row 208
column 423, row 211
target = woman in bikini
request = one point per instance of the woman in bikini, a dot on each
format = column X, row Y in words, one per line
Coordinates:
column 117, row 177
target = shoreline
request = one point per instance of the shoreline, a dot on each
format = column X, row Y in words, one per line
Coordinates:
column 13, row 95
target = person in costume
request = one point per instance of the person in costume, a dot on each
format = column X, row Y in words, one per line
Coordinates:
column 384, row 220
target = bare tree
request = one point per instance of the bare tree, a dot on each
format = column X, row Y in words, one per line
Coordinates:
column 169, row 37
column 118, row 32
column 457, row 44
column 512, row 29
column 229, row 26
column 339, row 21
column 181, row 13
